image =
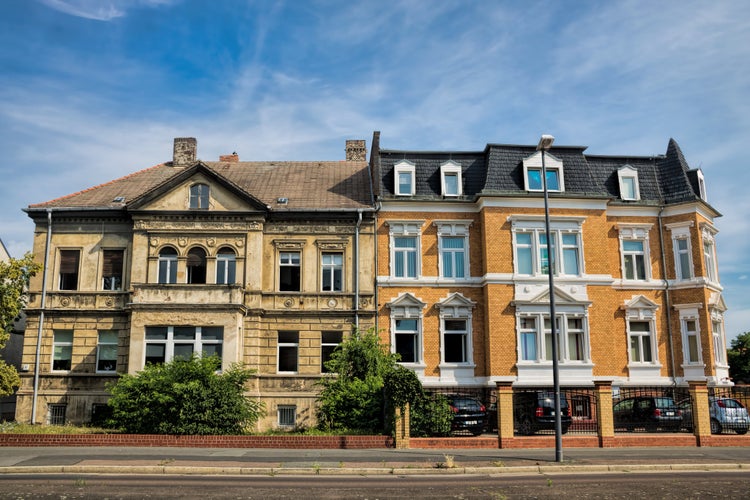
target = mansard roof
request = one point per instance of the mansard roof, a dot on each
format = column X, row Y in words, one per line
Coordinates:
column 498, row 171
column 307, row 185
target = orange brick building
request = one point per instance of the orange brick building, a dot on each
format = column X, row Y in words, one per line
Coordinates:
column 462, row 263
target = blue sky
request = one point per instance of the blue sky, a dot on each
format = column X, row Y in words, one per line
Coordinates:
column 91, row 90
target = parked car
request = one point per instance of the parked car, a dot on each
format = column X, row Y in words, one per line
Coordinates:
column 686, row 408
column 649, row 412
column 728, row 413
column 535, row 410
column 469, row 414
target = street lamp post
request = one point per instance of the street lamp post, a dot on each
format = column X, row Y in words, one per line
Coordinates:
column 545, row 143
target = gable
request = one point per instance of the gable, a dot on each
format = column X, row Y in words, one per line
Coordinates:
column 177, row 197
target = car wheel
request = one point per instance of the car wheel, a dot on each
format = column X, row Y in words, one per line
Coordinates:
column 525, row 427
column 715, row 426
column 741, row 431
column 476, row 432
column 564, row 430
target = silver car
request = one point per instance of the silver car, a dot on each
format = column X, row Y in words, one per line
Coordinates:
column 728, row 414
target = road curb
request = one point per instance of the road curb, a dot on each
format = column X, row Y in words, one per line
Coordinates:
column 314, row 470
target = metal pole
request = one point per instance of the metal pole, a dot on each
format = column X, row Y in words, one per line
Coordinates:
column 555, row 355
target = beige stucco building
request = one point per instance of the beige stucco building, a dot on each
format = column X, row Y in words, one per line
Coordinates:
column 268, row 264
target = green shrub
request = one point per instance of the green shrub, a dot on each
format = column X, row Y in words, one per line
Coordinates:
column 431, row 415
column 185, row 396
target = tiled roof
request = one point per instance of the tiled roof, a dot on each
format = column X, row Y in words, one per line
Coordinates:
column 307, row 185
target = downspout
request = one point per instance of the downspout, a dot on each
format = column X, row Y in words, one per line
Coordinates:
column 667, row 299
column 38, row 353
column 356, row 268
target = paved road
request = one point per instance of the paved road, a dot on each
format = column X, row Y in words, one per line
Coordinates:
column 607, row 486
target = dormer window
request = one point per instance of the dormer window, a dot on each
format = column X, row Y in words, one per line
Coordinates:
column 532, row 173
column 702, row 186
column 199, row 196
column 628, row 179
column 450, row 179
column 403, row 174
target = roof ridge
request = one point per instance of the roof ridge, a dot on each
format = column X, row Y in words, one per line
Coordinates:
column 97, row 186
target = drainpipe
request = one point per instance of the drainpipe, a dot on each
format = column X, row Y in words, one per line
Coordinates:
column 356, row 268
column 667, row 299
column 38, row 353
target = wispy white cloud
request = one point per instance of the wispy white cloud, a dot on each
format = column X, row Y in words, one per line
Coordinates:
column 100, row 10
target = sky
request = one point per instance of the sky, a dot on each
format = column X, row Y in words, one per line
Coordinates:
column 91, row 90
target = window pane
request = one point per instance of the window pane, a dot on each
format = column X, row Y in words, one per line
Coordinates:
column 107, row 361
column 455, row 348
column 553, row 182
column 155, row 353
column 404, row 183
column 455, row 325
column 287, row 358
column 184, row 333
column 211, row 350
column 535, row 179
column 156, row 333
column 524, row 261
column 62, row 357
column 183, row 350
column 212, row 332
column 528, row 346
column 288, row 337
column 628, row 187
column 406, row 346
column 632, row 246
column 570, row 260
column 408, row 325
column 635, row 348
column 451, row 184
column 647, row 349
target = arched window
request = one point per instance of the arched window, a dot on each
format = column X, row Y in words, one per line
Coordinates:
column 226, row 266
column 199, row 196
column 168, row 265
column 196, row 266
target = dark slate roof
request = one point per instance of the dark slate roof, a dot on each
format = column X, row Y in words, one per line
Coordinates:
column 498, row 171
column 312, row 185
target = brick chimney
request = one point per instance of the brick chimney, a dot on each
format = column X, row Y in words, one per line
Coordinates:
column 233, row 158
column 356, row 150
column 185, row 150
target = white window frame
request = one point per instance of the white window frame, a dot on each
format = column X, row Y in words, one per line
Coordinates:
column 329, row 269
column 407, row 168
column 641, row 309
column 719, row 340
column 708, row 235
column 451, row 168
column 551, row 163
column 100, row 344
column 280, row 345
column 61, row 347
column 456, row 307
column 681, row 232
column 628, row 173
column 542, row 329
column 326, row 342
column 226, row 266
column 559, row 227
column 406, row 306
column 689, row 314
column 701, row 185
column 635, row 232
column 453, row 229
column 171, row 263
column 169, row 342
column 643, row 339
column 405, row 229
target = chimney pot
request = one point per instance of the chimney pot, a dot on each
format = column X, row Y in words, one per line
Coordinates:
column 185, row 150
column 233, row 158
column 356, row 150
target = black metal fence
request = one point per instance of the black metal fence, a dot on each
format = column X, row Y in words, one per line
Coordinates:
column 727, row 408
column 652, row 409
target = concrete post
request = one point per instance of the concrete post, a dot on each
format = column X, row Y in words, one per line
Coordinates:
column 504, row 413
column 701, row 417
column 604, row 417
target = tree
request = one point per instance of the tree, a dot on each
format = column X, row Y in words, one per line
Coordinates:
column 354, row 399
column 14, row 279
column 738, row 356
column 369, row 384
column 184, row 396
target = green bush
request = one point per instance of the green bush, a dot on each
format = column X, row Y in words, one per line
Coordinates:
column 185, row 396
column 431, row 415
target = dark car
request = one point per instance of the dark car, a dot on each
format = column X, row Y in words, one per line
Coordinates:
column 535, row 410
column 469, row 414
column 648, row 412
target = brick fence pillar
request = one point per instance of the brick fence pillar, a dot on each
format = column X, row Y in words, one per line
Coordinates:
column 403, row 430
column 604, row 419
column 504, row 413
column 701, row 417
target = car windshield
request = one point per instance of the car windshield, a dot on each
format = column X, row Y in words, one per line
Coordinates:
column 664, row 402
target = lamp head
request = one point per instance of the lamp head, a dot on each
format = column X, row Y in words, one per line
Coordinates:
column 545, row 142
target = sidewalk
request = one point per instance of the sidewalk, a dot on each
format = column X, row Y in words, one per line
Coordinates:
column 243, row 461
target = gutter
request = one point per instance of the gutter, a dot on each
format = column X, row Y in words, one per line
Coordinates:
column 356, row 269
column 667, row 300
column 37, row 354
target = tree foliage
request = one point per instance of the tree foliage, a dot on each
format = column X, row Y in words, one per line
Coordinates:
column 369, row 385
column 14, row 278
column 738, row 357
column 184, row 396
